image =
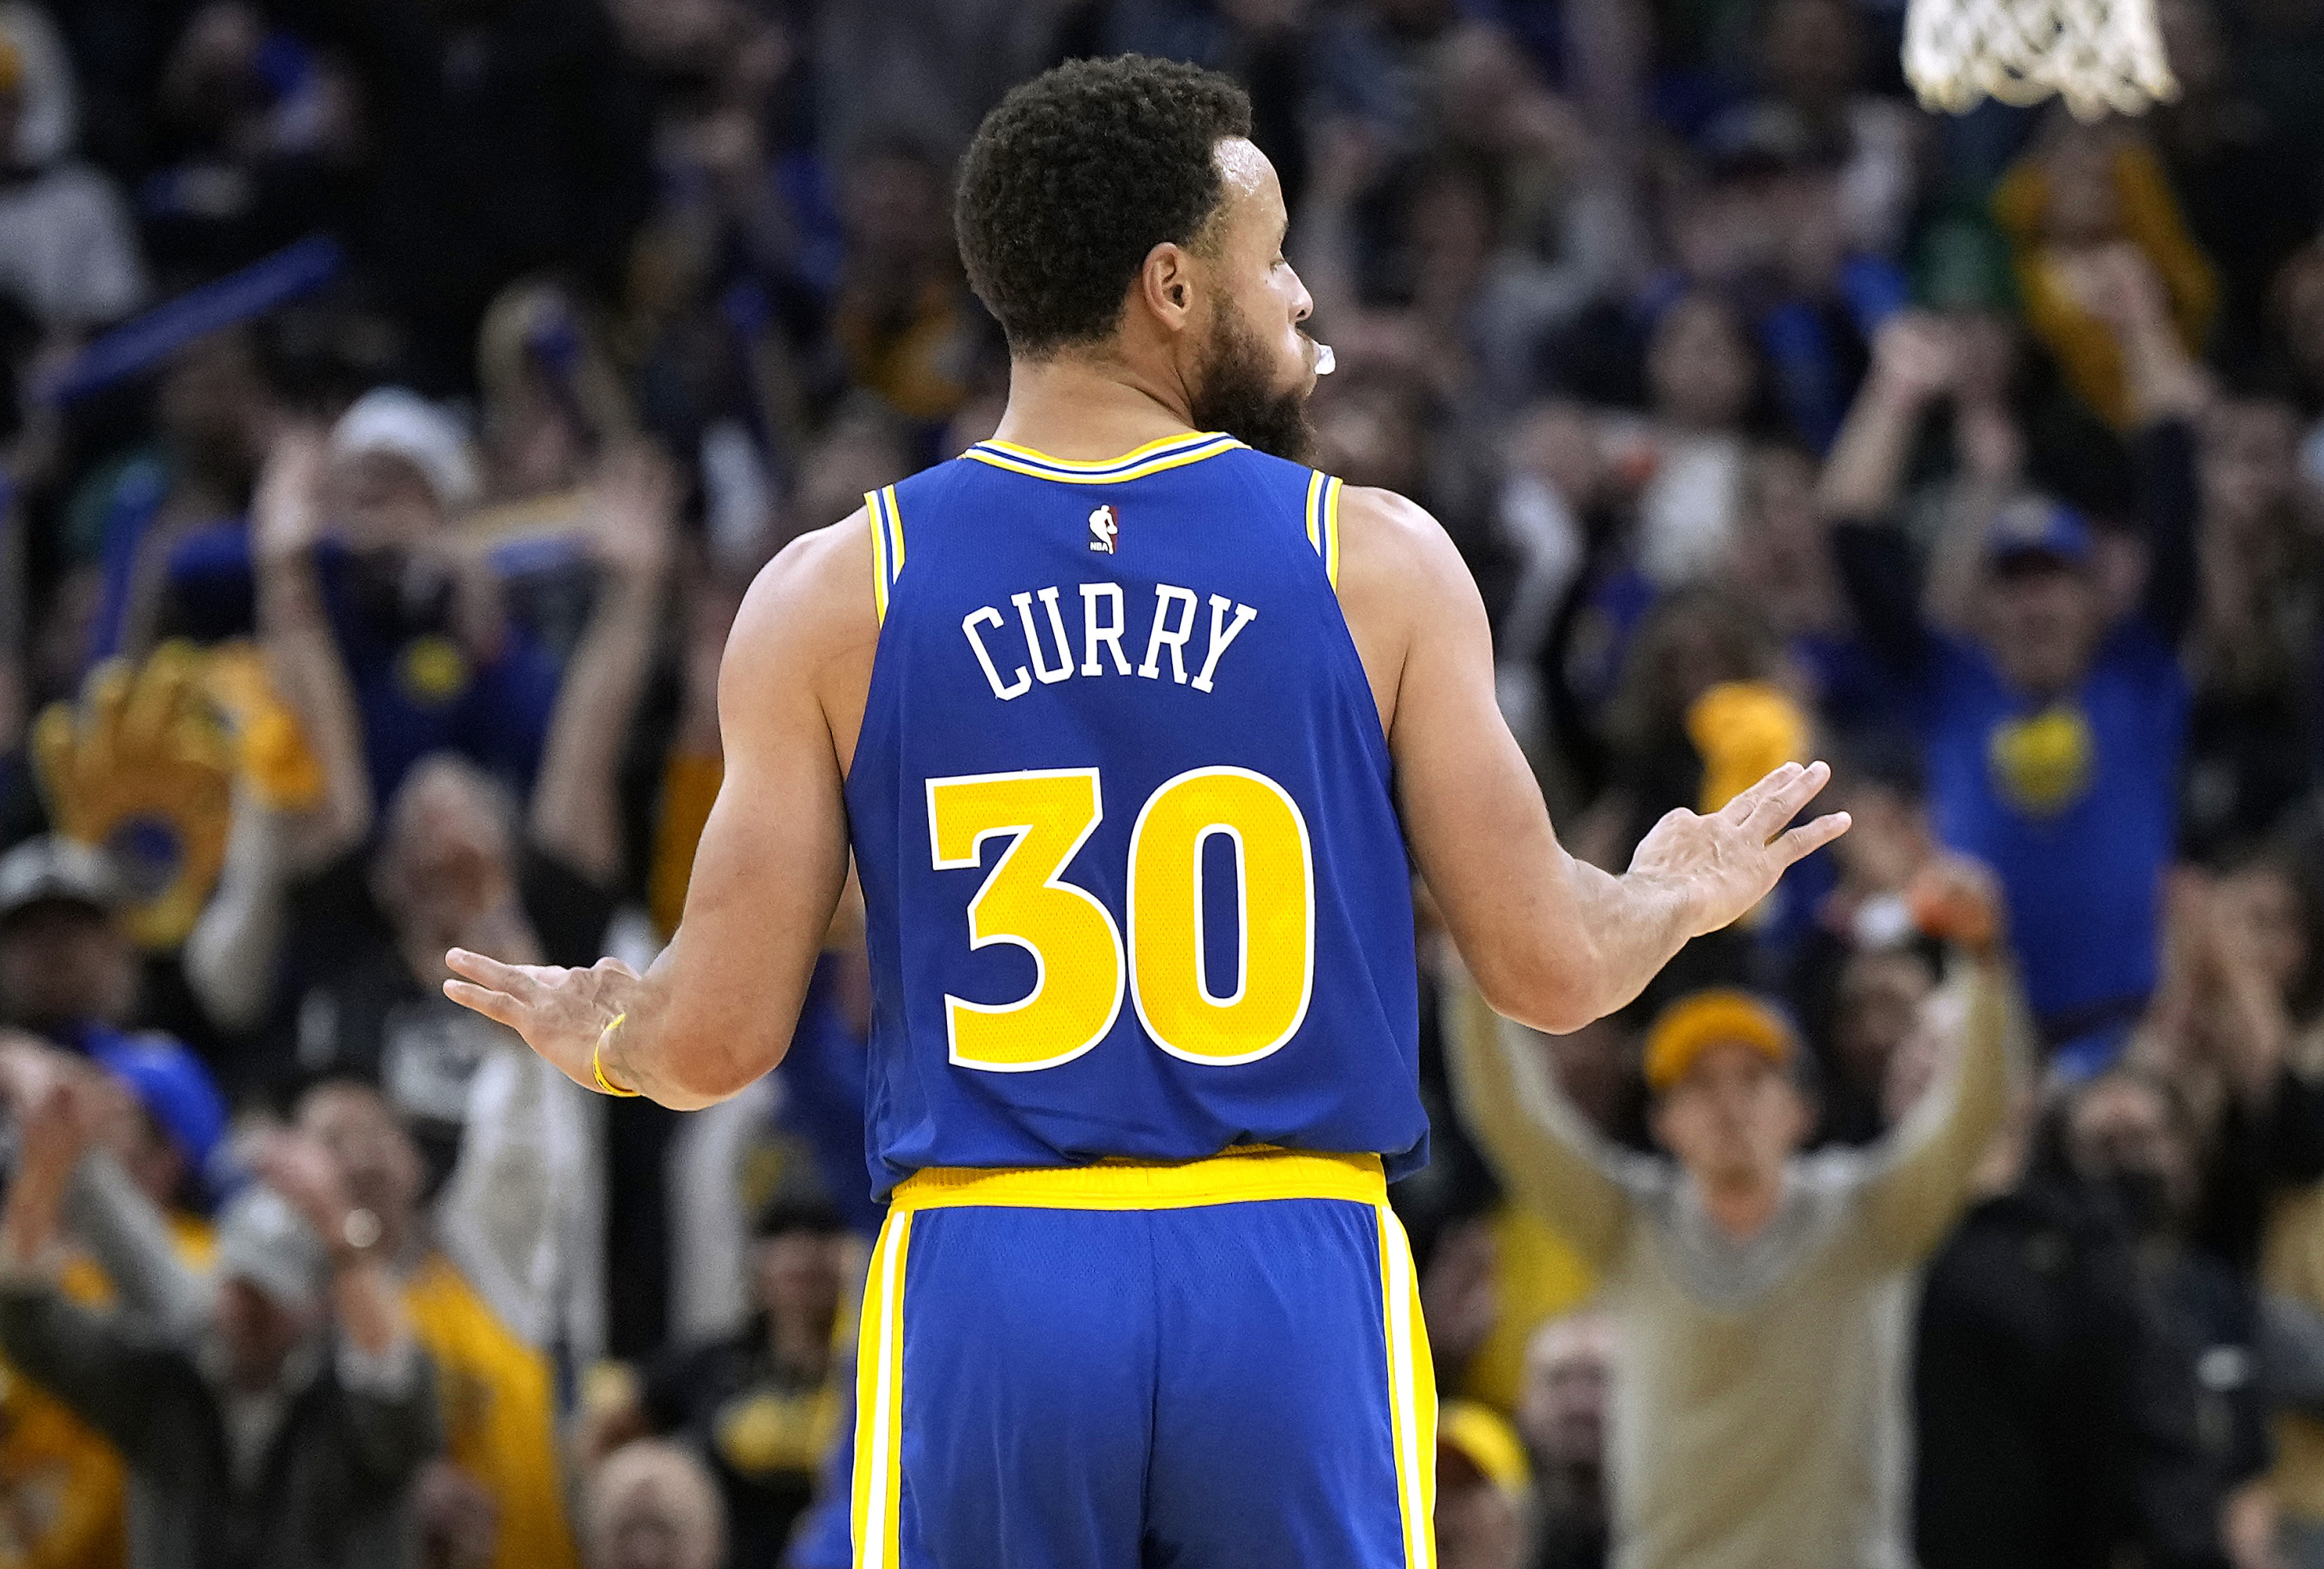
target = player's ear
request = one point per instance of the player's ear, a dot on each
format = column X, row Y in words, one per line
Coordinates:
column 1166, row 284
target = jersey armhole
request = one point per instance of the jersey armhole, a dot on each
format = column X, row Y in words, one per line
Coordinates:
column 886, row 546
column 1324, row 523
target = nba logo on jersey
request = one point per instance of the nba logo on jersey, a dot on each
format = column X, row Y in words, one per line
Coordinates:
column 1105, row 527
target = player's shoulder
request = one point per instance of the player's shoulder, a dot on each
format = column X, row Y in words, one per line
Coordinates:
column 1396, row 517
column 817, row 590
column 814, row 559
column 1393, row 538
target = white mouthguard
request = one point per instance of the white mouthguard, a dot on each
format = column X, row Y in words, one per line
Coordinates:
column 1323, row 360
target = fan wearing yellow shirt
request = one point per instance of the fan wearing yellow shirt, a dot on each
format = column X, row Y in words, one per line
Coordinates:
column 497, row 1396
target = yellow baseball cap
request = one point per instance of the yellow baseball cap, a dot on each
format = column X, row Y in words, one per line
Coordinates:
column 1483, row 1437
column 1684, row 1030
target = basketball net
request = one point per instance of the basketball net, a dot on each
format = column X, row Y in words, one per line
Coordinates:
column 2098, row 55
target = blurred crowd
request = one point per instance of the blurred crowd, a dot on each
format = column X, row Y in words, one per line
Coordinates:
column 396, row 397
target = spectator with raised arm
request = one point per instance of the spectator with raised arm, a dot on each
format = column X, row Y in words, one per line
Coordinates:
column 286, row 1431
column 362, row 583
column 498, row 1494
column 2083, row 197
column 362, row 943
column 62, row 1485
column 296, row 893
column 1759, row 1409
column 2051, row 732
column 2233, row 1031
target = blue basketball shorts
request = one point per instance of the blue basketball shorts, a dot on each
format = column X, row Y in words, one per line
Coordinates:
column 1216, row 1365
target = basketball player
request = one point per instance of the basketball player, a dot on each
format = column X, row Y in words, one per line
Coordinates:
column 1130, row 720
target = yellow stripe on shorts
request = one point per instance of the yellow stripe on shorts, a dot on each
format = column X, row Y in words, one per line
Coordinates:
column 1239, row 1175
column 1412, row 1393
column 880, row 1401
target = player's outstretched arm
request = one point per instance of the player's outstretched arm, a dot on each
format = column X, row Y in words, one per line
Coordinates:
column 1552, row 941
column 715, row 1011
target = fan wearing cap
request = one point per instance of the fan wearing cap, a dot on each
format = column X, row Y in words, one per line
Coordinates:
column 170, row 1140
column 2052, row 726
column 69, row 972
column 364, row 594
column 1724, row 1068
column 65, row 962
column 281, row 1429
column 1483, row 1485
column 1758, row 1410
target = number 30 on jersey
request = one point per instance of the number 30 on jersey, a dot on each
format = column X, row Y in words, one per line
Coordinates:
column 1082, row 965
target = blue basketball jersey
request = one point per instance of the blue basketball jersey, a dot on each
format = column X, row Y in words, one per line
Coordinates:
column 1134, row 877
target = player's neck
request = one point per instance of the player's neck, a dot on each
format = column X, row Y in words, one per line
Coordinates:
column 1089, row 409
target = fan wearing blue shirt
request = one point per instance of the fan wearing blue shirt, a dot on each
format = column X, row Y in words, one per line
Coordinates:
column 2050, row 731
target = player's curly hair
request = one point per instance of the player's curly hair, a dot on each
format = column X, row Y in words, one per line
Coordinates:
column 1075, row 176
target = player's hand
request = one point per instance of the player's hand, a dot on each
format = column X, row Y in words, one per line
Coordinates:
column 561, row 1013
column 1729, row 860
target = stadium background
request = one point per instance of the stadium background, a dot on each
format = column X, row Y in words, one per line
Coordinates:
column 399, row 394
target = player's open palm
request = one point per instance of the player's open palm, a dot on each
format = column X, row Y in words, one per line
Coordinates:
column 1728, row 860
column 561, row 1013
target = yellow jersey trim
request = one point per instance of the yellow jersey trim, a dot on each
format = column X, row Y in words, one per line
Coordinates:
column 1240, row 1176
column 1084, row 466
column 1323, row 521
column 887, row 545
column 1180, row 451
column 879, row 556
column 1331, row 532
column 895, row 534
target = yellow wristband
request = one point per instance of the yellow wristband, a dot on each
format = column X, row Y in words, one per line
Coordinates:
column 597, row 1064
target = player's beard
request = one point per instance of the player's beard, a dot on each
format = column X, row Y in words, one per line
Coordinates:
column 1236, row 394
